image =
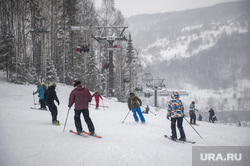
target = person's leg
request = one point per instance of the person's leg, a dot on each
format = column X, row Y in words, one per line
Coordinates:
column 88, row 121
column 77, row 119
column 180, row 127
column 138, row 110
column 173, row 128
column 134, row 115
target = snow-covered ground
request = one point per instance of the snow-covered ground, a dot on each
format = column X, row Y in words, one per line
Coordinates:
column 27, row 137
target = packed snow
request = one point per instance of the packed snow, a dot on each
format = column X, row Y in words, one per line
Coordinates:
column 29, row 139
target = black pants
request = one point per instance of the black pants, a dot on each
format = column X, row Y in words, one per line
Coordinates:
column 42, row 103
column 87, row 119
column 53, row 110
column 192, row 118
column 179, row 125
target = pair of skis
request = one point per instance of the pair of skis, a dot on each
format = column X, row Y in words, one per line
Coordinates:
column 84, row 134
column 179, row 141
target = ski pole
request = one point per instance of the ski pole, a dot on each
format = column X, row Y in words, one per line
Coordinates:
column 192, row 127
column 34, row 100
column 125, row 117
column 152, row 112
column 103, row 105
column 66, row 120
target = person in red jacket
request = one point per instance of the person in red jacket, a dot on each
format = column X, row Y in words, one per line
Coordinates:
column 97, row 96
column 81, row 97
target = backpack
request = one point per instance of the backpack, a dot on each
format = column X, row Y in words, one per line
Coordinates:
column 134, row 102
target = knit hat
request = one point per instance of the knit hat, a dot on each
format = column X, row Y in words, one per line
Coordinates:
column 76, row 82
column 54, row 84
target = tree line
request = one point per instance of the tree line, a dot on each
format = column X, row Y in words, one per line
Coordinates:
column 38, row 43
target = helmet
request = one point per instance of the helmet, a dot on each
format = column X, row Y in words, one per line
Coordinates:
column 193, row 102
column 76, row 82
column 175, row 95
column 38, row 83
column 132, row 93
column 96, row 91
column 43, row 83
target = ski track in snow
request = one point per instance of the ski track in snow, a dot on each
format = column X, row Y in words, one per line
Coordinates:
column 29, row 139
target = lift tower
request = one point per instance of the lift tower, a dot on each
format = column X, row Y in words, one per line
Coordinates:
column 110, row 39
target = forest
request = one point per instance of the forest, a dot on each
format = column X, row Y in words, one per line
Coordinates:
column 52, row 41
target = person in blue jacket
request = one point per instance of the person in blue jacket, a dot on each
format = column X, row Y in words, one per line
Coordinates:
column 40, row 92
column 200, row 117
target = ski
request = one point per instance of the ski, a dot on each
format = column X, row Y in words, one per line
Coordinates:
column 177, row 140
column 73, row 132
column 97, row 136
column 37, row 109
column 101, row 105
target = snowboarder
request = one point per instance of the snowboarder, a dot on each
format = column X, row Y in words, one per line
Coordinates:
column 192, row 113
column 81, row 97
column 200, row 117
column 40, row 91
column 97, row 97
column 211, row 115
column 176, row 113
column 135, row 107
column 50, row 97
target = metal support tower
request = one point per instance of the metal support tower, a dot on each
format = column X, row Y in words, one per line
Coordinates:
column 110, row 39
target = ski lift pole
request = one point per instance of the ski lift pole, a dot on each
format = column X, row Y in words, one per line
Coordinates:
column 192, row 127
column 66, row 120
column 125, row 117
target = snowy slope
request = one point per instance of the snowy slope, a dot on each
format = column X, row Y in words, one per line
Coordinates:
column 27, row 137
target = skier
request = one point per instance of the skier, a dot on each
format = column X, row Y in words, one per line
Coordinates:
column 44, row 86
column 200, row 117
column 211, row 114
column 147, row 109
column 40, row 91
column 50, row 97
column 81, row 97
column 135, row 107
column 97, row 96
column 176, row 112
column 192, row 113
column 45, row 93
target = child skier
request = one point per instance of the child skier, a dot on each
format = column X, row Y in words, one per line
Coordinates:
column 40, row 91
column 97, row 96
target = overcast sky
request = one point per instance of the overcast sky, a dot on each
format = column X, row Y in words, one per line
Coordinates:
column 134, row 7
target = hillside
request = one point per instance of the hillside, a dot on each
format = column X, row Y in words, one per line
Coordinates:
column 28, row 138
column 207, row 47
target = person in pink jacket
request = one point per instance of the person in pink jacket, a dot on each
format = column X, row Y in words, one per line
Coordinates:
column 81, row 97
column 97, row 97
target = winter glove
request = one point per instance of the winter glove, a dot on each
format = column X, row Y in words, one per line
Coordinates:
column 168, row 116
column 58, row 102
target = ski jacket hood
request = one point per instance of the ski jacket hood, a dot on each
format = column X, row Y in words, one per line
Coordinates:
column 175, row 108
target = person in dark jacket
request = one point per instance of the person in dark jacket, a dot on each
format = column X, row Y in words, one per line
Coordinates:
column 81, row 97
column 50, row 97
column 211, row 114
column 135, row 107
